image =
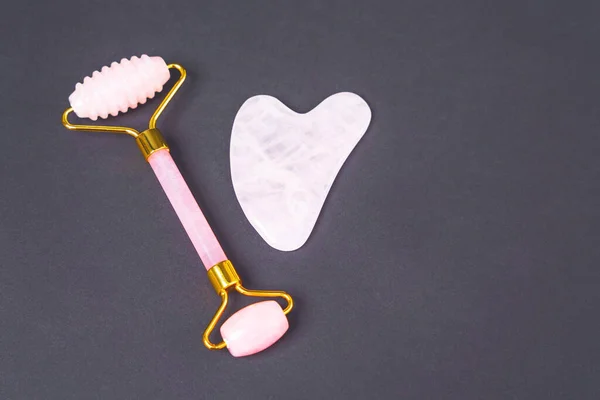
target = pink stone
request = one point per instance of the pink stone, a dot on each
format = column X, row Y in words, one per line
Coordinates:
column 186, row 207
column 283, row 164
column 254, row 328
column 119, row 87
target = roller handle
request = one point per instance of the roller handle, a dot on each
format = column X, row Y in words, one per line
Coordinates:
column 193, row 220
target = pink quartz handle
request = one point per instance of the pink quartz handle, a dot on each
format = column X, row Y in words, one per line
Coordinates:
column 187, row 208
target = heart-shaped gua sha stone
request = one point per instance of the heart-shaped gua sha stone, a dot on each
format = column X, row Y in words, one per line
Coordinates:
column 284, row 163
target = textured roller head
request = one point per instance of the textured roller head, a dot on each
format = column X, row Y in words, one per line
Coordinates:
column 119, row 87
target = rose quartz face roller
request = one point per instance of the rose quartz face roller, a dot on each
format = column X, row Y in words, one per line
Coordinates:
column 131, row 82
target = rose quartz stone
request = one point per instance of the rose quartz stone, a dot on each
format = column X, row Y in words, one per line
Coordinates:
column 119, row 87
column 283, row 164
column 254, row 328
column 187, row 209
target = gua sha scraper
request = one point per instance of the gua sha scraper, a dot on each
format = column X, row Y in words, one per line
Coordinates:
column 122, row 86
column 284, row 163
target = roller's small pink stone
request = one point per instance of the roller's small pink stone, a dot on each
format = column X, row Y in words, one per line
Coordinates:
column 254, row 328
column 186, row 208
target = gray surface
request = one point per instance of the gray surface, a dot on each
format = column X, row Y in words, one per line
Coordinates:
column 474, row 197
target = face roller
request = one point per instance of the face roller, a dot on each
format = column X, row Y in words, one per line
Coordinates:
column 122, row 86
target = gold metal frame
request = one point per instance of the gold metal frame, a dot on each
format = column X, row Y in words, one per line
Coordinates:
column 149, row 140
column 224, row 278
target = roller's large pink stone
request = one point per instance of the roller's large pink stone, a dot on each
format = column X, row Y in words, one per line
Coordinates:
column 254, row 328
column 119, row 87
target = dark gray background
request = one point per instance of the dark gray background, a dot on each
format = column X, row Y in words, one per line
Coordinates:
column 456, row 256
